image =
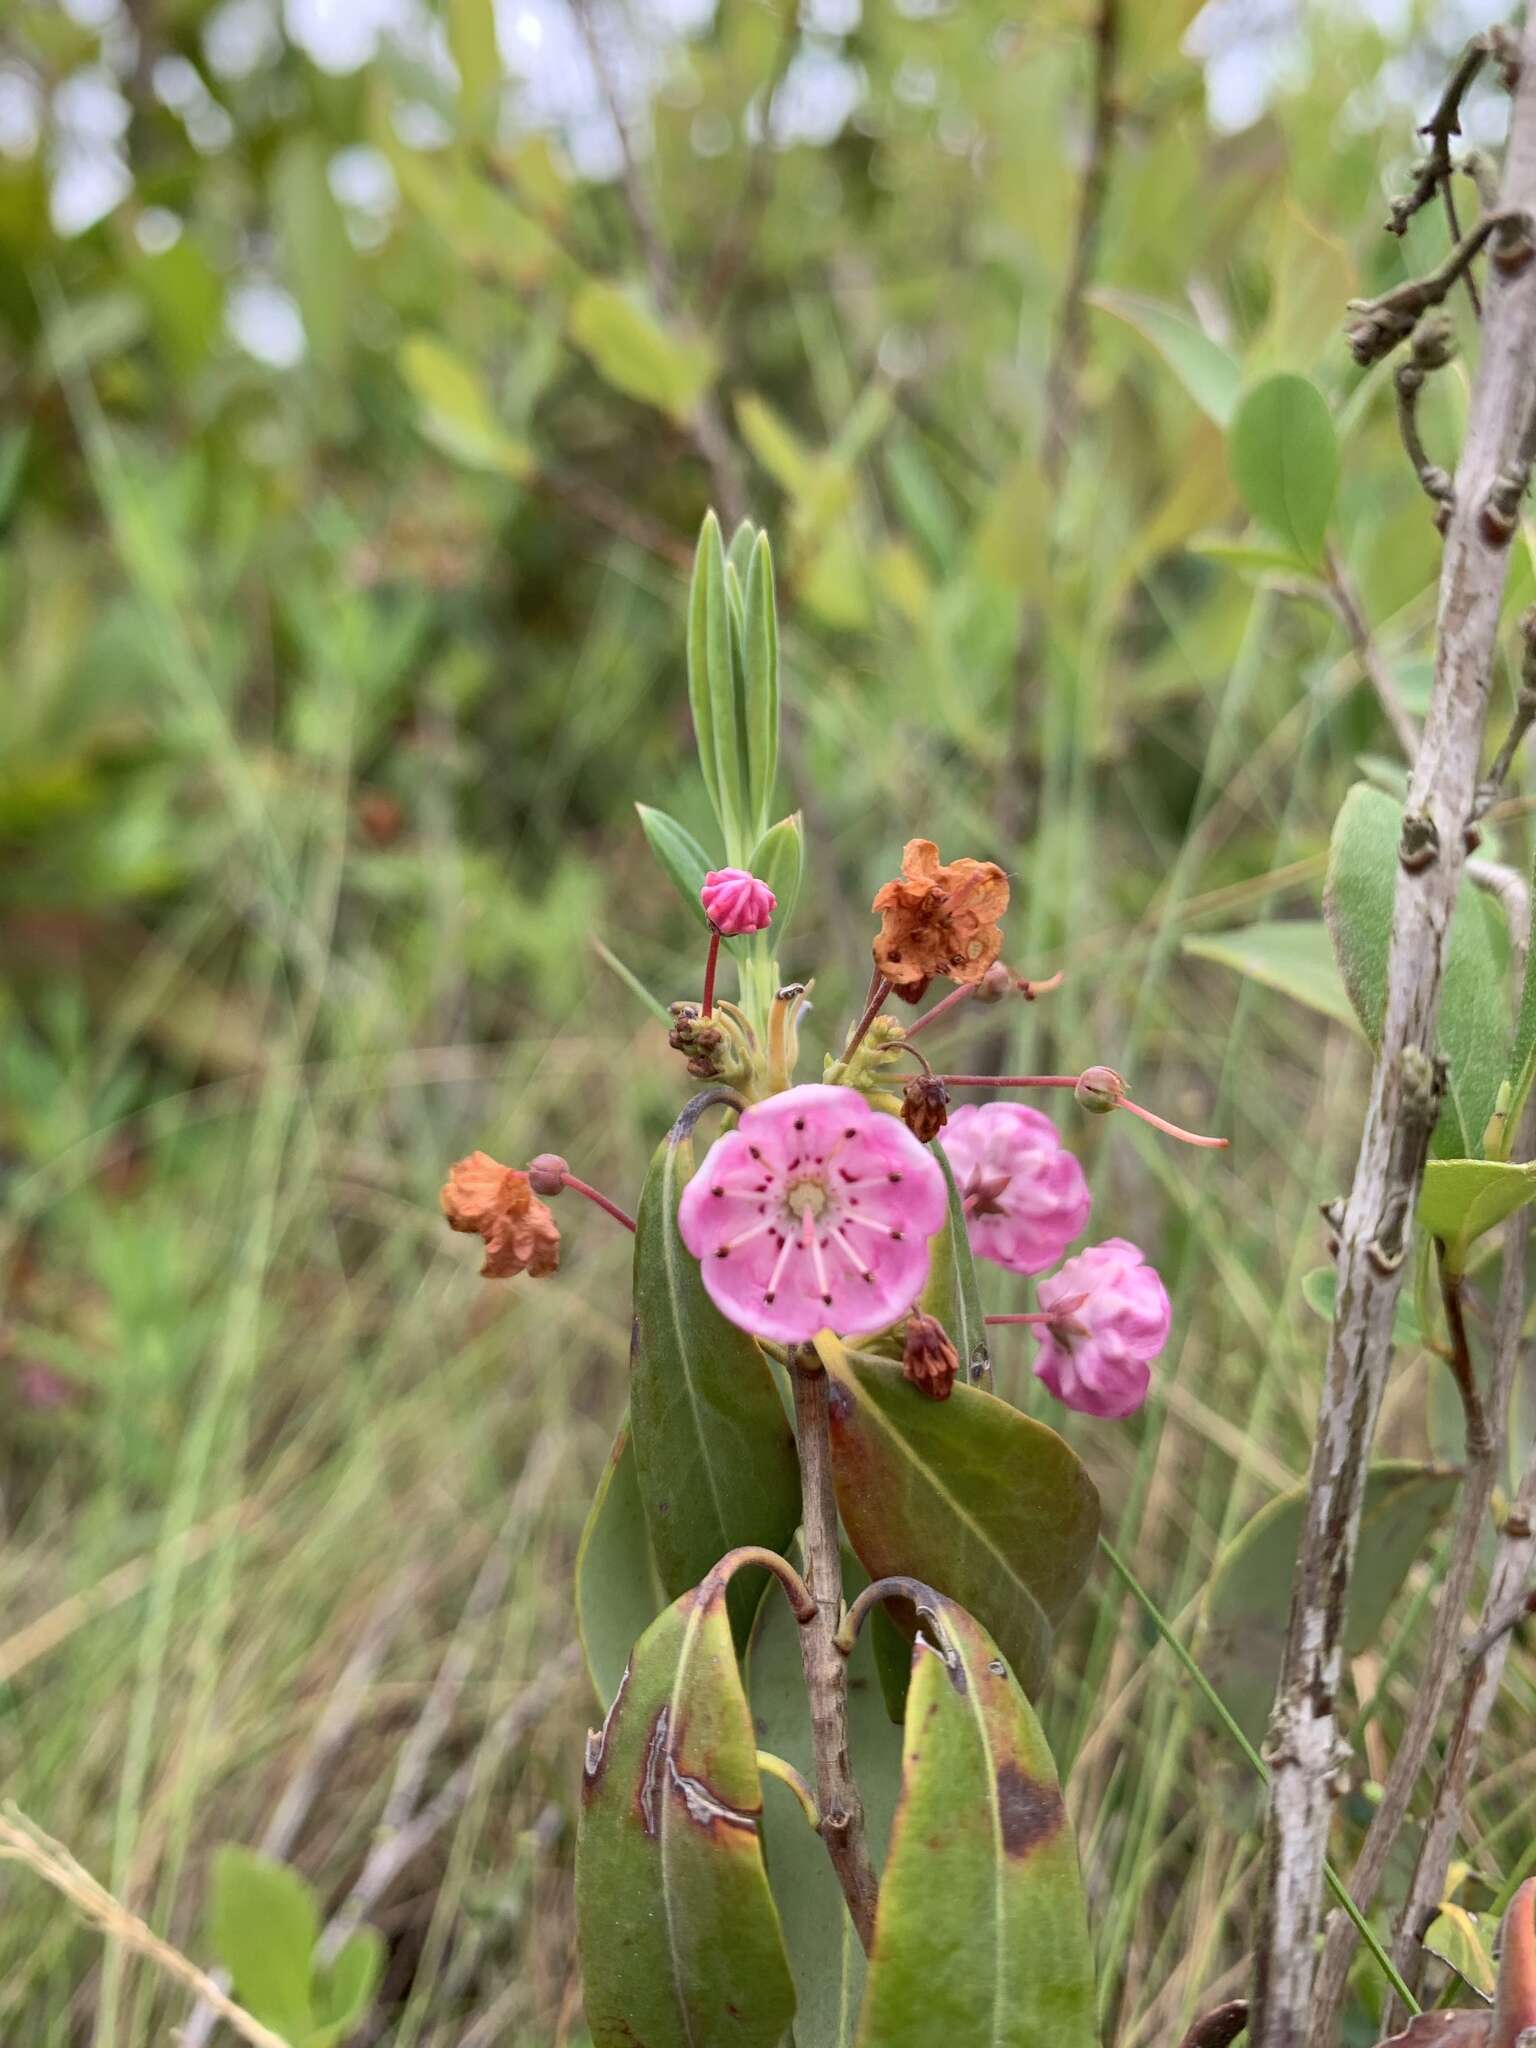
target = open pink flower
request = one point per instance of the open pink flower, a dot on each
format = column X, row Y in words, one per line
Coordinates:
column 736, row 902
column 814, row 1213
column 1025, row 1196
column 1110, row 1318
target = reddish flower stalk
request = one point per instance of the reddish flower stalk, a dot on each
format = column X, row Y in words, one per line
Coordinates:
column 549, row 1174
column 952, row 1001
column 1036, row 1316
column 1147, row 1116
column 580, row 1187
column 709, row 972
column 878, row 994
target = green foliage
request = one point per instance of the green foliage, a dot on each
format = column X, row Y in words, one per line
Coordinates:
column 953, row 1294
column 1247, row 1599
column 966, row 1493
column 1295, row 957
column 1285, row 462
column 982, row 1934
column 618, row 1590
column 680, row 1934
column 1211, row 375
column 1462, row 1199
column 264, row 1927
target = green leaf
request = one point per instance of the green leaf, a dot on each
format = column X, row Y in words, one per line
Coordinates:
column 779, row 860
column 680, row 854
column 477, row 57
column 344, row 1991
column 713, row 1446
column 1465, row 1941
column 318, row 257
column 982, row 1931
column 712, row 689
column 1294, row 957
column 1320, row 1291
column 1463, row 1198
column 1522, row 1054
column 1242, row 554
column 631, row 350
column 1474, row 1028
column 825, row 1955
column 1210, row 374
column 952, row 1294
column 1284, row 456
column 760, row 653
column 618, row 1589
column 263, row 1928
column 1241, row 1633
column 968, row 1492
column 456, row 412
column 680, row 1938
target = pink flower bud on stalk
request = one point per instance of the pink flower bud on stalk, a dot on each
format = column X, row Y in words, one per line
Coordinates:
column 735, row 903
column 1095, row 1091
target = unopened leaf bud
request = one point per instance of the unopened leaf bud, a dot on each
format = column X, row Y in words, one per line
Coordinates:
column 1099, row 1090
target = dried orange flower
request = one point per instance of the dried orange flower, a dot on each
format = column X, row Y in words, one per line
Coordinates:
column 497, row 1203
column 939, row 919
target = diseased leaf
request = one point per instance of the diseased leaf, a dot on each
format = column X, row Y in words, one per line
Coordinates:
column 713, row 1447
column 993, row 1505
column 263, row 1928
column 1463, row 1198
column 825, row 1955
column 1294, row 957
column 618, row 1589
column 952, row 1294
column 1465, row 1941
column 1210, row 374
column 631, row 349
column 982, row 1933
column 1474, row 1025
column 1247, row 1600
column 1284, row 456
column 680, row 1937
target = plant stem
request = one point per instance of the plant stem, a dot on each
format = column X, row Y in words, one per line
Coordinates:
column 710, row 965
column 1035, row 1316
column 879, row 991
column 826, row 1674
column 580, row 1187
column 952, row 1001
column 1147, row 1116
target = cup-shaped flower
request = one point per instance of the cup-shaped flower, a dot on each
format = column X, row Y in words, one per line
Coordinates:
column 736, row 902
column 1109, row 1319
column 1024, row 1193
column 815, row 1213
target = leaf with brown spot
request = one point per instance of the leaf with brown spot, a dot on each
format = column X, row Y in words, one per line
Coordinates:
column 680, row 1938
column 982, row 1934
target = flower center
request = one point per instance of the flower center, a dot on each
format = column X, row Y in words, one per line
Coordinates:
column 804, row 1198
column 984, row 1193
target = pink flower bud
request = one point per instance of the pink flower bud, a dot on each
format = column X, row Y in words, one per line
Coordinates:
column 546, row 1174
column 736, row 902
column 1111, row 1318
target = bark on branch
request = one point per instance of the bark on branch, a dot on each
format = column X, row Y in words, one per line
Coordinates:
column 1304, row 1741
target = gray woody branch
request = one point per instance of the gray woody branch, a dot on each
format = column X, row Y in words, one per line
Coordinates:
column 1304, row 1743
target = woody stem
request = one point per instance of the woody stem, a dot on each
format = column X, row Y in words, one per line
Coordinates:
column 709, row 970
column 580, row 1187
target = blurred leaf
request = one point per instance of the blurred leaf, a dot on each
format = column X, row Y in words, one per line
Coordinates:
column 760, row 651
column 1294, row 956
column 89, row 331
column 825, row 1956
column 318, row 258
column 679, row 1934
column 1474, row 1029
column 713, row 697
column 1209, row 373
column 1465, row 1941
column 982, row 1931
column 968, row 1492
column 680, row 854
column 344, row 1991
column 1461, row 1199
column 952, row 1294
column 456, row 412
column 1285, row 461
column 1241, row 1633
column 776, row 445
column 476, row 56
column 1313, row 277
column 779, row 860
column 1320, row 1291
column 618, row 1590
column 1243, row 554
column 713, row 1447
column 1521, row 1071
column 632, row 351
column 263, row 1928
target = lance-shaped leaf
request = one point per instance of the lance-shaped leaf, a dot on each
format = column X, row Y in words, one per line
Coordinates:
column 825, row 1955
column 981, row 1936
column 618, row 1589
column 713, row 1446
column 1474, row 1026
column 952, row 1294
column 712, row 692
column 680, row 1939
column 680, row 854
column 1243, row 1618
column 779, row 860
column 760, row 681
column 968, row 1492
column 1463, row 1198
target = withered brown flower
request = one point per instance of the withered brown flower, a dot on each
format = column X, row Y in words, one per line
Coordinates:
column 938, row 919
column 928, row 1358
column 486, row 1199
column 925, row 1106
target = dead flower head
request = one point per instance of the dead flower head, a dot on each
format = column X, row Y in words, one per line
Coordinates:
column 928, row 1358
column 486, row 1199
column 939, row 919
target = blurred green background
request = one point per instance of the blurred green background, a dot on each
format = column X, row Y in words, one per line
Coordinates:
column 367, row 369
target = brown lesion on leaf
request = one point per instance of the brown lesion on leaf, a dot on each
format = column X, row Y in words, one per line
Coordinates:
column 1030, row 1812
column 659, row 1774
column 596, row 1758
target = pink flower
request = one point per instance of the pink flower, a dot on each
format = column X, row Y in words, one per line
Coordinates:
column 814, row 1213
column 1110, row 1318
column 1025, row 1196
column 736, row 902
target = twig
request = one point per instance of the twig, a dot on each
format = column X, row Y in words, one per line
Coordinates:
column 1521, row 1608
column 1304, row 1736
column 1377, row 325
column 23, row 1841
column 1061, row 377
column 1435, row 171
column 1433, row 347
column 1463, row 1371
column 826, row 1675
